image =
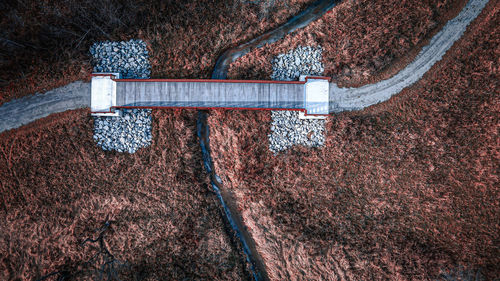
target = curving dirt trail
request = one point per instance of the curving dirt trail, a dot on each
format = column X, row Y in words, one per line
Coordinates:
column 77, row 95
column 22, row 111
column 345, row 99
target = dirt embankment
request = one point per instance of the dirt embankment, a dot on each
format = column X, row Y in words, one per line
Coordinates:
column 403, row 190
column 57, row 187
column 44, row 45
column 363, row 41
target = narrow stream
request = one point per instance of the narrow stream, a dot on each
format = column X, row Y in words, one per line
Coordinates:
column 256, row 267
column 313, row 12
column 34, row 107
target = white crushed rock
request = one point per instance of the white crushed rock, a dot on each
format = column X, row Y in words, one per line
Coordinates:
column 132, row 130
column 302, row 60
column 129, row 58
column 287, row 129
column 127, row 133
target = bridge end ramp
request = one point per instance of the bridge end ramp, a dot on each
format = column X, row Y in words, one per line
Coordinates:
column 103, row 94
column 316, row 97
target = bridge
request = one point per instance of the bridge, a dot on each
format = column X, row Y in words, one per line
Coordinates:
column 109, row 93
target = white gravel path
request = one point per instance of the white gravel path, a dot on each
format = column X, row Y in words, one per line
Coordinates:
column 344, row 99
column 22, row 111
column 77, row 95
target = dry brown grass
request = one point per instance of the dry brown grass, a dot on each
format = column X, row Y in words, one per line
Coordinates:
column 401, row 191
column 57, row 187
column 363, row 41
column 44, row 44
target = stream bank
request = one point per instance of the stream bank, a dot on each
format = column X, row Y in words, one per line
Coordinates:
column 225, row 197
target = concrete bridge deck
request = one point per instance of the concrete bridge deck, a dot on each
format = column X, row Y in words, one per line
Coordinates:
column 108, row 93
column 209, row 94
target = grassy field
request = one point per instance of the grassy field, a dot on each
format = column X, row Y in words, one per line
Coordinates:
column 45, row 44
column 404, row 190
column 57, row 187
column 363, row 41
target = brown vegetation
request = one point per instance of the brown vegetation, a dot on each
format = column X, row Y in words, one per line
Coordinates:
column 402, row 191
column 57, row 187
column 363, row 41
column 44, row 44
